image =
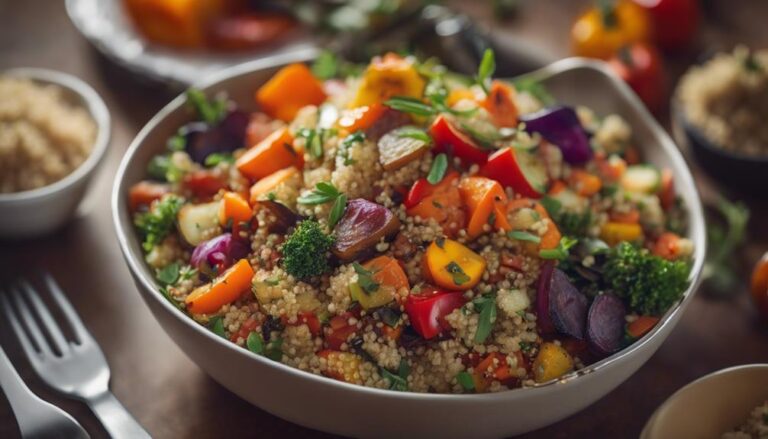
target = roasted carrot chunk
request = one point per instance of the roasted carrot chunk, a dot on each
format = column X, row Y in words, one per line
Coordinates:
column 500, row 104
column 485, row 201
column 270, row 155
column 292, row 88
column 269, row 183
column 223, row 290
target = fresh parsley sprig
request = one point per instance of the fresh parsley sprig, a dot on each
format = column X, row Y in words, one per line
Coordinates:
column 325, row 192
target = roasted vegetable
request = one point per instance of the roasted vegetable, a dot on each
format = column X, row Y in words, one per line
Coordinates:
column 648, row 283
column 522, row 171
column 441, row 202
column 261, row 189
column 223, row 290
column 486, row 202
column 378, row 282
column 605, row 324
column 500, row 104
column 448, row 139
column 428, row 308
column 363, row 225
column 305, row 251
column 615, row 232
column 561, row 126
column 453, row 266
column 552, row 362
column 195, row 221
column 290, row 89
column 397, row 148
column 270, row 155
column 567, row 306
column 388, row 76
column 281, row 218
column 142, row 194
column 218, row 254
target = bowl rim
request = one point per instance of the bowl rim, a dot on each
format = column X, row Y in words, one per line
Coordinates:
column 695, row 211
column 96, row 108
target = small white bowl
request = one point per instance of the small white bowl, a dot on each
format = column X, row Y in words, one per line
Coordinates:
column 42, row 210
column 711, row 405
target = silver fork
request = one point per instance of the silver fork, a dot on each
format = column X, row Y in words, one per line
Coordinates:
column 75, row 368
column 36, row 418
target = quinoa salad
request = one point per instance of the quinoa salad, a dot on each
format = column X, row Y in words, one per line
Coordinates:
column 403, row 227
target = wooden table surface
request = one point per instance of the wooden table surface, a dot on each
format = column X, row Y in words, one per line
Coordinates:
column 172, row 397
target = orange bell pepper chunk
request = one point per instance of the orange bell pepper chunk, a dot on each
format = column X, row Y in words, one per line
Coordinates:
column 234, row 210
column 485, row 200
column 269, row 183
column 361, row 118
column 584, row 183
column 270, row 155
column 388, row 271
column 442, row 203
column 641, row 326
column 225, row 289
column 292, row 88
column 500, row 104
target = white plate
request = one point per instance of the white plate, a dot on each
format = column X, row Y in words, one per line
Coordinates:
column 106, row 25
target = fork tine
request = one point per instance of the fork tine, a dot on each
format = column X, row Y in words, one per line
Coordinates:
column 53, row 329
column 28, row 322
column 81, row 333
column 24, row 341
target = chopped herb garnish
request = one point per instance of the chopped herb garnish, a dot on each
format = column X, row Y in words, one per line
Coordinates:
column 561, row 252
column 216, row 325
column 337, row 210
column 437, row 204
column 177, row 142
column 439, row 166
column 486, row 305
column 389, row 316
column 255, row 343
column 522, row 235
column 315, row 140
column 271, row 196
column 410, row 105
column 466, row 381
column 162, row 167
column 323, row 193
column 440, row 242
column 274, row 349
column 486, row 69
column 458, row 274
column 365, row 278
column 348, row 143
column 526, row 347
column 414, row 133
column 218, row 157
column 158, row 222
column 169, row 274
column 272, row 281
column 210, row 111
column 398, row 382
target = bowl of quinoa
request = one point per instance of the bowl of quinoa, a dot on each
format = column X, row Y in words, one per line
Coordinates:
column 403, row 238
column 55, row 131
column 731, row 404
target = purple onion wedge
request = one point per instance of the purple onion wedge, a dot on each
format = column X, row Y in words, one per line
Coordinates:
column 567, row 306
column 543, row 289
column 561, row 126
column 221, row 251
column 364, row 223
column 605, row 324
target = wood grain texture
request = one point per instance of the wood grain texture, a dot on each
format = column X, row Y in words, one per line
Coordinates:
column 173, row 398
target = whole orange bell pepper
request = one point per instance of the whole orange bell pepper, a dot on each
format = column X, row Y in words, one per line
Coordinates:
column 608, row 26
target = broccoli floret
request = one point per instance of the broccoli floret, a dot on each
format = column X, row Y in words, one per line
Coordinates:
column 305, row 252
column 157, row 223
column 648, row 283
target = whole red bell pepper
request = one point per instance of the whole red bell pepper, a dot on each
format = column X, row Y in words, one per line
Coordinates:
column 427, row 311
column 450, row 140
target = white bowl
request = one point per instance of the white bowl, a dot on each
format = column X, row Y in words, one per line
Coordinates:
column 337, row 407
column 711, row 405
column 42, row 210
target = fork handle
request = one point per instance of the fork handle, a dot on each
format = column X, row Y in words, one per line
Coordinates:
column 115, row 418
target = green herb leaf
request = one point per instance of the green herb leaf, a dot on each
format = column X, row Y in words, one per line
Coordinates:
column 414, row 133
column 487, row 306
column 216, row 325
column 492, row 219
column 255, row 343
column 272, row 281
column 155, row 225
column 365, row 278
column 161, row 167
column 410, row 105
column 177, row 142
column 526, row 347
column 459, row 276
column 561, row 252
column 397, row 382
column 323, row 193
column 522, row 235
column 337, row 210
column 389, row 316
column 169, row 274
column 439, row 166
column 326, row 65
column 486, row 69
column 466, row 381
column 274, row 350
column 218, row 157
column 348, row 143
column 210, row 111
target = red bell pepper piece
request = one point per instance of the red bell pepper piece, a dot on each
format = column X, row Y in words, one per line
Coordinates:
column 204, row 183
column 305, row 318
column 450, row 140
column 143, row 193
column 520, row 170
column 427, row 311
column 339, row 331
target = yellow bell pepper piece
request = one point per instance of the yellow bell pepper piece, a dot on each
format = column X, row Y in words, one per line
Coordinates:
column 453, row 266
column 613, row 233
column 386, row 77
column 552, row 362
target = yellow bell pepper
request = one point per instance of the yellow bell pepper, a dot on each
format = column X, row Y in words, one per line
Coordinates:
column 607, row 27
column 613, row 232
column 391, row 75
column 552, row 362
column 453, row 266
